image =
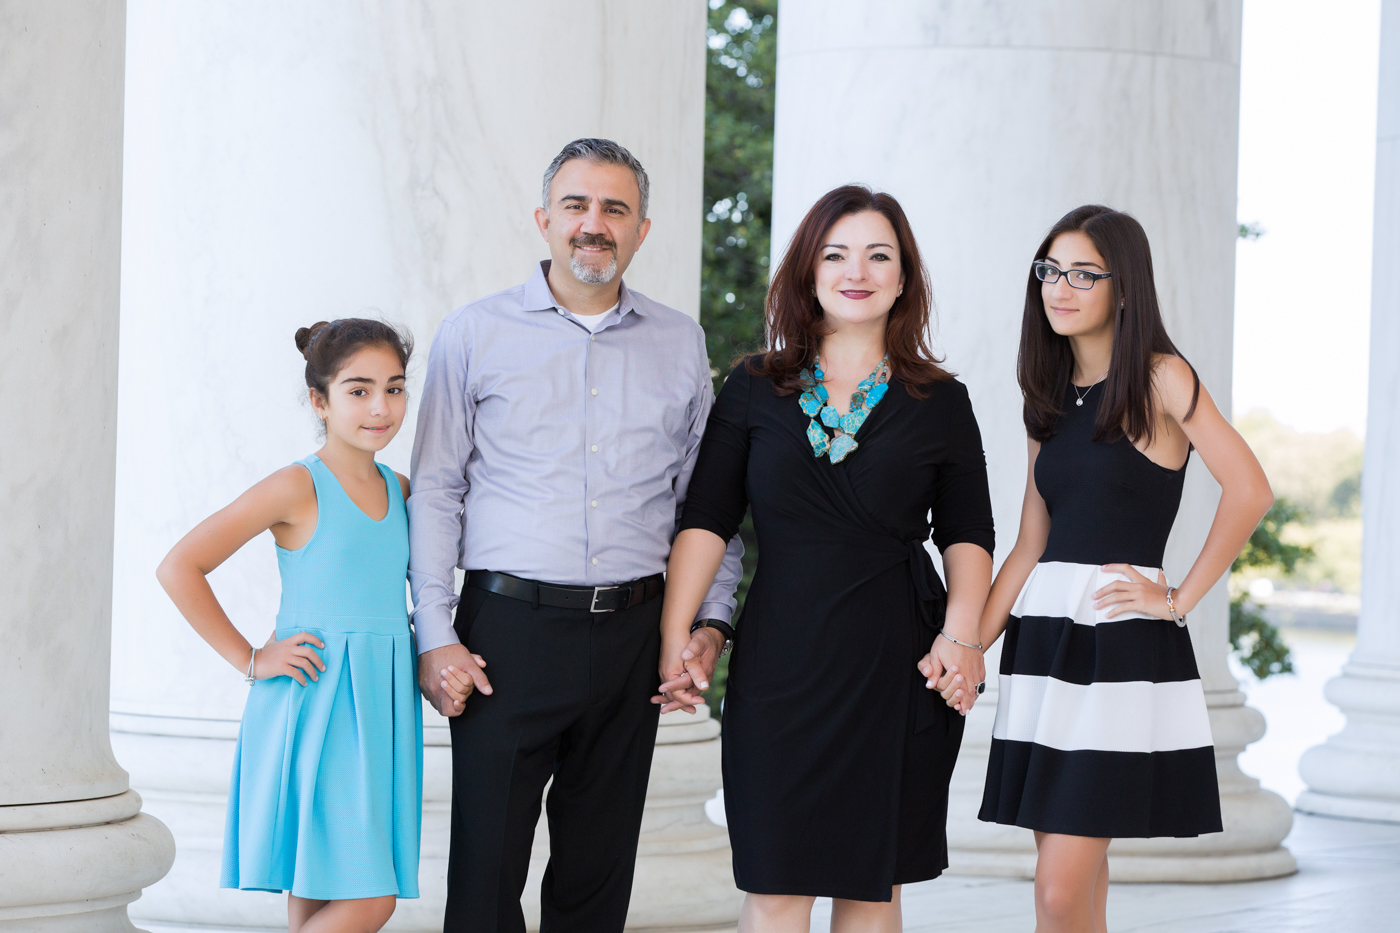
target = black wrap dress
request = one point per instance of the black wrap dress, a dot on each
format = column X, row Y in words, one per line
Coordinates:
column 836, row 758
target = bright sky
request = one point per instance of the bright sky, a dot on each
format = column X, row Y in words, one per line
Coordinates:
column 1307, row 175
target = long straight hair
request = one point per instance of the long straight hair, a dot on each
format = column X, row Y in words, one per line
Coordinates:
column 795, row 320
column 1045, row 362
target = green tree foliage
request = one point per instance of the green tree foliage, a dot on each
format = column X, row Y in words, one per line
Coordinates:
column 742, row 46
column 1257, row 643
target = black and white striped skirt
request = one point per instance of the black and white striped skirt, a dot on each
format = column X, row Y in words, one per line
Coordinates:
column 1101, row 726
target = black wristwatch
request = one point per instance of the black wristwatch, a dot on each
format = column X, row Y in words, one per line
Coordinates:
column 724, row 628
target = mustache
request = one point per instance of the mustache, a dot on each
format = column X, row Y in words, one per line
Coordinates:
column 593, row 240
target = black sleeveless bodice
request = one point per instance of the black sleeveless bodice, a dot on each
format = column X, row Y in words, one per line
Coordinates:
column 1108, row 502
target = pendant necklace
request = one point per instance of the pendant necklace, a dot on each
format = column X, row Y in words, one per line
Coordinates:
column 815, row 403
column 1079, row 399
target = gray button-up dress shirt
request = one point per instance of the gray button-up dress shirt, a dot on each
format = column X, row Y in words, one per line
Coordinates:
column 554, row 454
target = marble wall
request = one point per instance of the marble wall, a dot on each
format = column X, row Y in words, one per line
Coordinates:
column 989, row 121
column 288, row 163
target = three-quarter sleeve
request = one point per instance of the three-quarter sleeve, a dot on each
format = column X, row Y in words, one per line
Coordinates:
column 962, row 502
column 716, row 499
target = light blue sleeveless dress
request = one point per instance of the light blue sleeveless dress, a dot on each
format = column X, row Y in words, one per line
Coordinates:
column 327, row 787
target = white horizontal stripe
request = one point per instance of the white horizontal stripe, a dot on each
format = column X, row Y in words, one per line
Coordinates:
column 1135, row 716
column 1063, row 590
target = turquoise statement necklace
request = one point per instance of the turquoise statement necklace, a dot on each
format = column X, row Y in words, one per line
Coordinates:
column 815, row 402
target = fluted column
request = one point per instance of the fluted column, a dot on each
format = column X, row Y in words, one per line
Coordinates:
column 1356, row 773
column 292, row 162
column 989, row 121
column 74, row 847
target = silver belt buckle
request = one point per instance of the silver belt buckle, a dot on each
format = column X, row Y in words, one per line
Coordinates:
column 593, row 606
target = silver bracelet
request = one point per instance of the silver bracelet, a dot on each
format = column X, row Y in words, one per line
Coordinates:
column 249, row 678
column 956, row 642
column 1171, row 607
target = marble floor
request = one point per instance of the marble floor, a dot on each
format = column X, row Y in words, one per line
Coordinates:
column 1348, row 878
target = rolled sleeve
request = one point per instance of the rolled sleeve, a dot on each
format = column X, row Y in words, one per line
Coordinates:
column 441, row 447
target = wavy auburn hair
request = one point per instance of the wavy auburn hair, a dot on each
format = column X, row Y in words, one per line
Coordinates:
column 1045, row 362
column 795, row 321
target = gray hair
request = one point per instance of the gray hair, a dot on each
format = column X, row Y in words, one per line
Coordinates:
column 603, row 152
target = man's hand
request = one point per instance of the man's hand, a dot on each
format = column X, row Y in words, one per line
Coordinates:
column 448, row 675
column 686, row 669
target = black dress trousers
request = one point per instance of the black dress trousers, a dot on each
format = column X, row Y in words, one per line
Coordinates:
column 572, row 702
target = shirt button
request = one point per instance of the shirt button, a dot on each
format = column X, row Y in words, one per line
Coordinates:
column 595, row 560
column 595, row 391
column 590, row 337
column 595, row 503
column 595, row 448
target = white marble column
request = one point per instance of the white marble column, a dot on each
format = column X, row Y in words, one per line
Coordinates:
column 1356, row 773
column 288, row 163
column 74, row 847
column 989, row 121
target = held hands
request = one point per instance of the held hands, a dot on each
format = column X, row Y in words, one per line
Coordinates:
column 686, row 669
column 448, row 675
column 1135, row 594
column 291, row 657
column 954, row 671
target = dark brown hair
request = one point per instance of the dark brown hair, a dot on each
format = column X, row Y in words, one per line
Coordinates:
column 795, row 323
column 1045, row 362
column 328, row 344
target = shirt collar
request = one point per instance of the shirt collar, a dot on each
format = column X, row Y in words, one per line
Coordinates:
column 538, row 297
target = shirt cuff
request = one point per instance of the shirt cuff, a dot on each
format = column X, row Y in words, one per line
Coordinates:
column 434, row 630
column 721, row 611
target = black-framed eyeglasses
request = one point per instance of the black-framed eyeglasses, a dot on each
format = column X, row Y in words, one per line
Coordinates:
column 1078, row 278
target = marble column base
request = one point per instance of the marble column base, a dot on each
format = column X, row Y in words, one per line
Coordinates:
column 45, row 890
column 1356, row 773
column 1256, row 821
column 684, row 879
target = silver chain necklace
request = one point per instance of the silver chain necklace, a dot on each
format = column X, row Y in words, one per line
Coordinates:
column 1079, row 399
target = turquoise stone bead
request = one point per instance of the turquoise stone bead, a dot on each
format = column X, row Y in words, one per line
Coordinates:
column 830, row 417
column 810, row 404
column 841, row 447
column 850, row 423
column 818, row 439
column 876, row 394
column 821, row 393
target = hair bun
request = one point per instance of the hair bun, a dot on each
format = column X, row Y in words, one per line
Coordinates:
column 305, row 336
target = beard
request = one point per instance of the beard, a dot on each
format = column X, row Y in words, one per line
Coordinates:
column 589, row 274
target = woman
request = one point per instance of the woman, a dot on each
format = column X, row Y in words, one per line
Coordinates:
column 1101, row 728
column 842, row 437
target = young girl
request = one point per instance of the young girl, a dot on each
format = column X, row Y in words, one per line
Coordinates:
column 1101, row 728
column 327, row 775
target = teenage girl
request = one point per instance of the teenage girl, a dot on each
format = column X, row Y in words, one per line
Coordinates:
column 325, row 801
column 1101, row 728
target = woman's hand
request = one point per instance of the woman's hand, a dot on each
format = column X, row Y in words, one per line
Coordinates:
column 954, row 671
column 1135, row 594
column 291, row 657
column 686, row 669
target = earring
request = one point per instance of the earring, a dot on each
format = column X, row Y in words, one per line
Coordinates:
column 901, row 292
column 813, row 290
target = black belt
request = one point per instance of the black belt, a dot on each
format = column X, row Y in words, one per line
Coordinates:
column 592, row 598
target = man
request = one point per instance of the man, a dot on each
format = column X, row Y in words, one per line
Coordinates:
column 560, row 421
